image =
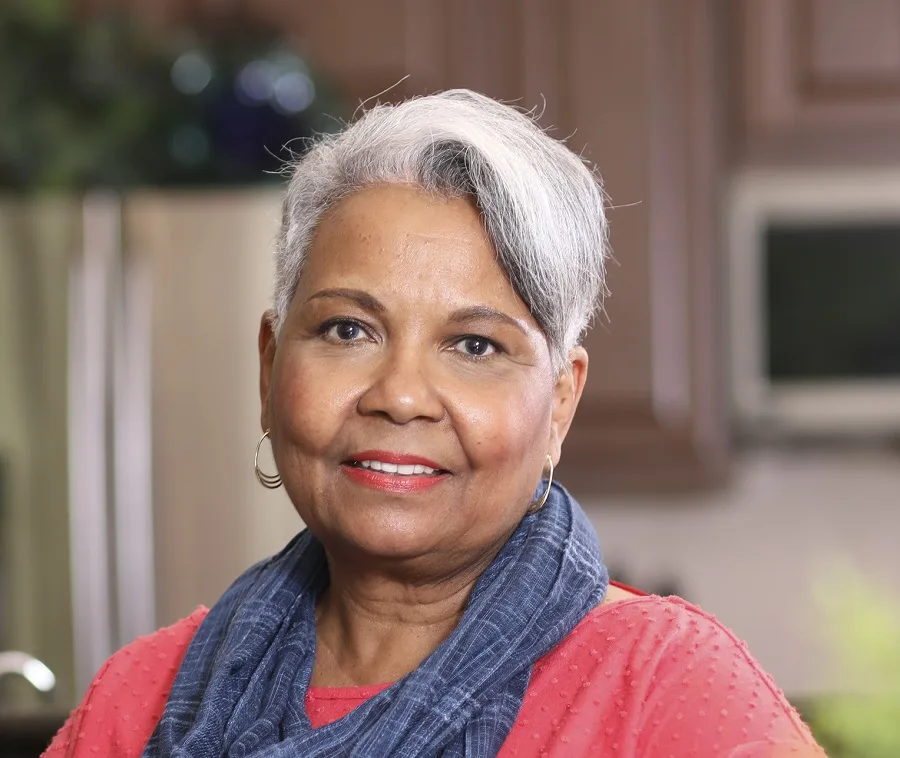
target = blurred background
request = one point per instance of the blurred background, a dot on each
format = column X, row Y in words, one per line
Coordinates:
column 737, row 440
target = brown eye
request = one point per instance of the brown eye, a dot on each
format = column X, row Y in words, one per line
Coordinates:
column 347, row 331
column 343, row 330
column 476, row 347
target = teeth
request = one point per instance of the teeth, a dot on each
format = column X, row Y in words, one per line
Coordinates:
column 393, row 468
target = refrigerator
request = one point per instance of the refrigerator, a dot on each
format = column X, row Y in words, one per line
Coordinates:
column 129, row 415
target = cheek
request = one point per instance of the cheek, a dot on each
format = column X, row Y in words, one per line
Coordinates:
column 508, row 425
column 309, row 402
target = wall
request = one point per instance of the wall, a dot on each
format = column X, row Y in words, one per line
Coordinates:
column 751, row 553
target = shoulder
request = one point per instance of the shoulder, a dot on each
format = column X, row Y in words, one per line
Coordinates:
column 682, row 648
column 127, row 696
column 647, row 672
column 153, row 659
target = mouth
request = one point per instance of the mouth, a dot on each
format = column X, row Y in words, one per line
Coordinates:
column 382, row 470
column 396, row 469
column 395, row 464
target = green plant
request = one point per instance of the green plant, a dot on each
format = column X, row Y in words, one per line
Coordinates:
column 90, row 101
column 863, row 624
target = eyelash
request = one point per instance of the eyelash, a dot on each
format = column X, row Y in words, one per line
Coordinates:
column 327, row 326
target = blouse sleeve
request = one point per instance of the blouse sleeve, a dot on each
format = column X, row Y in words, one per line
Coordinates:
column 66, row 738
column 709, row 697
column 127, row 696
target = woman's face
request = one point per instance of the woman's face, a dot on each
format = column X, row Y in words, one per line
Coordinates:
column 405, row 349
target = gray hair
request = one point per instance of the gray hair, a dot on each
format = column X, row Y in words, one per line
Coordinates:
column 542, row 207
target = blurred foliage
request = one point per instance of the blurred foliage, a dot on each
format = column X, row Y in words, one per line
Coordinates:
column 863, row 623
column 102, row 102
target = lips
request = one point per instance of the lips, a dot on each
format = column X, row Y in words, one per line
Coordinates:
column 394, row 472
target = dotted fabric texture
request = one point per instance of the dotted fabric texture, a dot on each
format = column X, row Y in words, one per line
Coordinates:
column 647, row 676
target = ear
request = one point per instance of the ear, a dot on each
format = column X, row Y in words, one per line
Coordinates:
column 266, row 345
column 566, row 394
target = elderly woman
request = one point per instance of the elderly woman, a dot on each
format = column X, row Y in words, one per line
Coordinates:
column 438, row 264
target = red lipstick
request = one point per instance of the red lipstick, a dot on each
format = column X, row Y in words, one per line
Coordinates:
column 396, row 483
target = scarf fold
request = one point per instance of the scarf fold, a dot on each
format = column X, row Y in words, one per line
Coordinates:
column 241, row 688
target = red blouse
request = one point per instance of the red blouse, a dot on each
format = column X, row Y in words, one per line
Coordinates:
column 646, row 676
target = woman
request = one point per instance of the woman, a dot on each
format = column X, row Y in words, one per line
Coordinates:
column 438, row 264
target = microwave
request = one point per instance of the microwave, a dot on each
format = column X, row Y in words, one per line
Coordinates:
column 813, row 301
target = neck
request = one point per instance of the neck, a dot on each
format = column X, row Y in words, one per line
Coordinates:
column 374, row 627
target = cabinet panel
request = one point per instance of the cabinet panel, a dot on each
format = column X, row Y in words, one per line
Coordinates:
column 851, row 47
column 652, row 418
column 819, row 80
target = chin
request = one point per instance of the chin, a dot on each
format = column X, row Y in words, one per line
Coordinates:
column 394, row 536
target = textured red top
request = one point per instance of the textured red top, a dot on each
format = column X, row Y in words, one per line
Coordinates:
column 646, row 676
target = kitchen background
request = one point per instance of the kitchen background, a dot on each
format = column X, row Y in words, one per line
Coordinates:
column 140, row 144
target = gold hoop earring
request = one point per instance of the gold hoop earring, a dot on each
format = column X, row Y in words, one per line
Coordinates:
column 269, row 481
column 538, row 504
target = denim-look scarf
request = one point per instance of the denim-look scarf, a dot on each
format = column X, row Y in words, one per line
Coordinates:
column 242, row 685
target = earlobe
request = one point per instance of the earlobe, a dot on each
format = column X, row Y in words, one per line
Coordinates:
column 266, row 346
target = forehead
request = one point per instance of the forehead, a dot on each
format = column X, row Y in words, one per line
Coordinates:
column 401, row 242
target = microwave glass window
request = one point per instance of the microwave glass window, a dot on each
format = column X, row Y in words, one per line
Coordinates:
column 833, row 301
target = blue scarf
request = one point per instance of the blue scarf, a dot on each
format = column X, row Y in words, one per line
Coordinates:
column 241, row 688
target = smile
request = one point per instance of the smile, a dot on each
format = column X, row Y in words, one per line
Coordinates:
column 390, row 472
column 402, row 469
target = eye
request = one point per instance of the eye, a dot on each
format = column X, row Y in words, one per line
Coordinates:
column 343, row 330
column 476, row 347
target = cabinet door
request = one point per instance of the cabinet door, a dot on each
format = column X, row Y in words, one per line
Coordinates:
column 638, row 84
column 819, row 80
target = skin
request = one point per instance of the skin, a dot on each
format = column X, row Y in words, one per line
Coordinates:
column 405, row 335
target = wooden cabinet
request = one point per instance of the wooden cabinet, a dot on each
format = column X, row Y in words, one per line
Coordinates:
column 817, row 80
column 634, row 85
column 639, row 87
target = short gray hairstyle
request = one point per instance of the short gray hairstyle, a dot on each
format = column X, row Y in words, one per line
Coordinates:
column 542, row 207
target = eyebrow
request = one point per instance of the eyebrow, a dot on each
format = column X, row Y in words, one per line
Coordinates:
column 361, row 298
column 484, row 313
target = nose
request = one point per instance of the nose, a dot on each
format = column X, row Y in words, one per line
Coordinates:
column 401, row 389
